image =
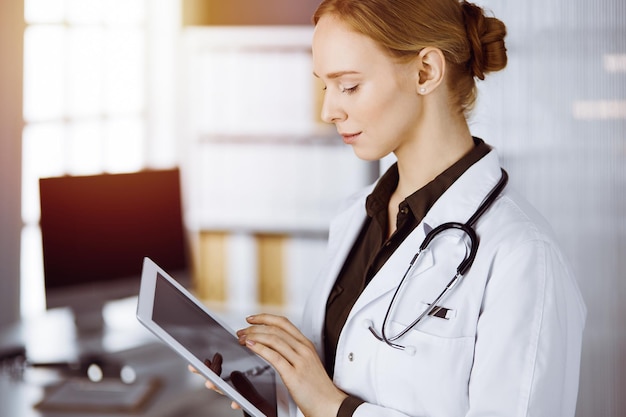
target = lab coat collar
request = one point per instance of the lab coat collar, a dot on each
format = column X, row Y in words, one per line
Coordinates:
column 466, row 194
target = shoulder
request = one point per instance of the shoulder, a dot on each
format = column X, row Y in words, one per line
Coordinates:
column 514, row 220
column 523, row 249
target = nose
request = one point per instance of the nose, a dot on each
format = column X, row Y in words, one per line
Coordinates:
column 331, row 111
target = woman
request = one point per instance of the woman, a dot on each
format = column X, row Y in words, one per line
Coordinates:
column 399, row 78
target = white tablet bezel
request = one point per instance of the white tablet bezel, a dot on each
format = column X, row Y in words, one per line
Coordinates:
column 145, row 305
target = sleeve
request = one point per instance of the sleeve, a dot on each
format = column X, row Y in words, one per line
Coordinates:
column 529, row 336
column 348, row 406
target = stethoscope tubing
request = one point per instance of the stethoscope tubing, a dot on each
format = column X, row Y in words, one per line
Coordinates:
column 464, row 266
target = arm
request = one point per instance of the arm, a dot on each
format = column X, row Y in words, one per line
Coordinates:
column 528, row 337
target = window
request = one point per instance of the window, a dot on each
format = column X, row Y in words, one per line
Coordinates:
column 85, row 109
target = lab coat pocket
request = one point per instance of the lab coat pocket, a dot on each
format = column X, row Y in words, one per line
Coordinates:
column 430, row 377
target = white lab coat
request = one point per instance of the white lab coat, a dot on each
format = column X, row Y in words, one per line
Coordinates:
column 512, row 342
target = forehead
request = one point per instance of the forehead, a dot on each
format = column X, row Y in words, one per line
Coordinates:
column 337, row 47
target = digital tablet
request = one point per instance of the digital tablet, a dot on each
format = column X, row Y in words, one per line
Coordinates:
column 168, row 310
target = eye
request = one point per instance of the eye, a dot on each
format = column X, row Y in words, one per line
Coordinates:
column 350, row 90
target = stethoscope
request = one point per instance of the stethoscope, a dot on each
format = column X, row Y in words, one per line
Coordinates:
column 466, row 228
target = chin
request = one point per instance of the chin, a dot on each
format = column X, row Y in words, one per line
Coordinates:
column 369, row 154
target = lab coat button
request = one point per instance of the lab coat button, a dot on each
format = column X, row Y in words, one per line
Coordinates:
column 351, row 357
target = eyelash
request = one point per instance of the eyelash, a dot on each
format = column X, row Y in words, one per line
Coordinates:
column 350, row 90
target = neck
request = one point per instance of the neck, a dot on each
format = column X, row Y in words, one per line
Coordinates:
column 432, row 152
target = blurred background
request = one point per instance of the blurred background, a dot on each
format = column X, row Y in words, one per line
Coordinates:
column 224, row 91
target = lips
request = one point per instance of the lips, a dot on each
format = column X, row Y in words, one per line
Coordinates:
column 350, row 138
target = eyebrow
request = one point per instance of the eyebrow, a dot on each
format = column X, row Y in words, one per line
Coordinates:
column 337, row 74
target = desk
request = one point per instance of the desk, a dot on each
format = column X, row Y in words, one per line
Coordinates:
column 52, row 338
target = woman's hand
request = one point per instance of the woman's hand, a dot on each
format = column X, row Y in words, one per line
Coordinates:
column 216, row 366
column 241, row 384
column 279, row 342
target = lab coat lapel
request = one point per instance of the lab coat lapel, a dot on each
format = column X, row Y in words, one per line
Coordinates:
column 347, row 226
column 390, row 274
column 342, row 233
column 464, row 197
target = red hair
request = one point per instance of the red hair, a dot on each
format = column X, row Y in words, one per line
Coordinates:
column 472, row 43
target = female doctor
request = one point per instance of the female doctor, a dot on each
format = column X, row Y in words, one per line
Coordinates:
column 488, row 319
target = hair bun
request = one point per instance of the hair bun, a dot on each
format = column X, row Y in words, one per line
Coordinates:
column 486, row 38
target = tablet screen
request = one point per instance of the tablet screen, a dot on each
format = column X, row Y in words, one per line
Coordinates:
column 205, row 338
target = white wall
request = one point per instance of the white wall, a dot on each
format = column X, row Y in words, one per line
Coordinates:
column 11, row 44
column 557, row 114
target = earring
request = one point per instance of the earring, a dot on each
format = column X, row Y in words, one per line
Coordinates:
column 422, row 90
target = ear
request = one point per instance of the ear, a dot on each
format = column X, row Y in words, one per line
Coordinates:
column 432, row 67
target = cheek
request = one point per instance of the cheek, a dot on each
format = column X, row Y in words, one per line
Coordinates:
column 394, row 98
column 404, row 108
column 376, row 105
column 387, row 111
